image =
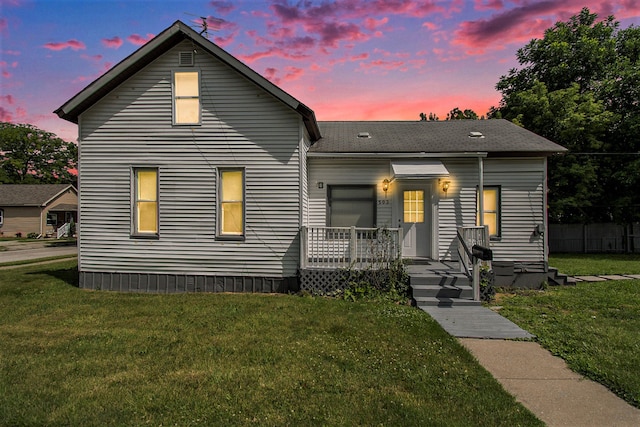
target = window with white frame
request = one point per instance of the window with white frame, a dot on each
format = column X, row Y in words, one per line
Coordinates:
column 491, row 210
column 1, row 217
column 352, row 206
column 231, row 207
column 145, row 202
column 186, row 97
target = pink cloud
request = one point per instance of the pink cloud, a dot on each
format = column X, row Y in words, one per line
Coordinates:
column 525, row 21
column 372, row 24
column 272, row 52
column 430, row 26
column 4, row 24
column 112, row 43
column 488, row 4
column 5, row 116
column 70, row 44
column 8, row 99
column 293, row 73
column 380, row 63
column 222, row 7
column 10, row 52
column 329, row 21
column 139, row 40
column 94, row 58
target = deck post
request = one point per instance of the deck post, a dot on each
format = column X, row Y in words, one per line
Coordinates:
column 354, row 246
column 476, row 279
column 303, row 247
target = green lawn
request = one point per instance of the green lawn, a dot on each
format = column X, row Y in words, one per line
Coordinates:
column 595, row 327
column 590, row 264
column 76, row 357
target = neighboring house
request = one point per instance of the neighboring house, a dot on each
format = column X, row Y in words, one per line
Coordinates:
column 36, row 208
column 196, row 173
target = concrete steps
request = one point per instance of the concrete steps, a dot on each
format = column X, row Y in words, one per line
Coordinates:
column 555, row 278
column 440, row 288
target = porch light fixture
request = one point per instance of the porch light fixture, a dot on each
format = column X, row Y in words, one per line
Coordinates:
column 445, row 186
column 385, row 185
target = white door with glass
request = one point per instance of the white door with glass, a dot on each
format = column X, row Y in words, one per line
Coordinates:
column 414, row 219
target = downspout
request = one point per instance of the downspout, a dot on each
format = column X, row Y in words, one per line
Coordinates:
column 480, row 191
column 545, row 219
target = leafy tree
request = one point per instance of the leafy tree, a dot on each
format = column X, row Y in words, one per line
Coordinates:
column 457, row 114
column 32, row 155
column 580, row 86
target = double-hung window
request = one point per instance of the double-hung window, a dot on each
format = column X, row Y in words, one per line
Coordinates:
column 1, row 217
column 352, row 206
column 231, row 191
column 145, row 202
column 491, row 210
column 186, row 97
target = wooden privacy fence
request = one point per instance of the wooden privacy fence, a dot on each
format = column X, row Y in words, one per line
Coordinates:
column 594, row 238
column 349, row 247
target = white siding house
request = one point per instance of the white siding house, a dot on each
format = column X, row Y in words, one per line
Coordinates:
column 197, row 174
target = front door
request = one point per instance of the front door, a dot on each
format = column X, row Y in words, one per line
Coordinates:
column 414, row 219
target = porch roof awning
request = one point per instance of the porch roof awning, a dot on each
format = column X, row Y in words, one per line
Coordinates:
column 418, row 169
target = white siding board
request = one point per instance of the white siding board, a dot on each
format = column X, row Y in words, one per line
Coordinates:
column 242, row 126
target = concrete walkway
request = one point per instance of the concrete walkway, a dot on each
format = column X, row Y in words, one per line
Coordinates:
column 466, row 321
column 548, row 388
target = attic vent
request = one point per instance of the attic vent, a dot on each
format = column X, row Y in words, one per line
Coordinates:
column 186, row 59
column 476, row 135
column 364, row 135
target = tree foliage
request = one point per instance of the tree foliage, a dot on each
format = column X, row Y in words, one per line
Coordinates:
column 29, row 155
column 580, row 86
column 458, row 114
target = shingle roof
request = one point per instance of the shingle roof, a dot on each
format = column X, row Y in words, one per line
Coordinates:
column 500, row 137
column 29, row 194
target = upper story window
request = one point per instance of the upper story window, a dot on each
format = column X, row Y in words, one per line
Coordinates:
column 145, row 202
column 186, row 97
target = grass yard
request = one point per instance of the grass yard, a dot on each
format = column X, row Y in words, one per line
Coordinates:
column 76, row 357
column 594, row 327
column 590, row 264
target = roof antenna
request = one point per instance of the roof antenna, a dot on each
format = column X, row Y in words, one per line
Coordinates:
column 203, row 23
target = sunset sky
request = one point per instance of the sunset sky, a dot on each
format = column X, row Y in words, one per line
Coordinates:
column 345, row 59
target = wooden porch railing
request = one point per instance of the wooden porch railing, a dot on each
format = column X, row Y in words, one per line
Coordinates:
column 63, row 230
column 467, row 237
column 349, row 247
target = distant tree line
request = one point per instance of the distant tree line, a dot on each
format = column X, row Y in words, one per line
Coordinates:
column 29, row 155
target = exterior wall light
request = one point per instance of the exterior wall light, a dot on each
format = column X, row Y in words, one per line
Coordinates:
column 385, row 185
column 445, row 186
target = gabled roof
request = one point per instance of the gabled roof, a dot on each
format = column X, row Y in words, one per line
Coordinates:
column 31, row 194
column 495, row 137
column 157, row 46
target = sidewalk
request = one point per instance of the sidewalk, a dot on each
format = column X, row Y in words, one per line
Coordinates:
column 547, row 387
column 13, row 251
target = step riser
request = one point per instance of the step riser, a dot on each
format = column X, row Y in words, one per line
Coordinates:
column 440, row 281
column 447, row 303
column 443, row 292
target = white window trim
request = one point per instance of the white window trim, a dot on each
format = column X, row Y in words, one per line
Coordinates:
column 1, row 217
column 220, row 235
column 134, row 203
column 498, row 212
column 174, row 97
